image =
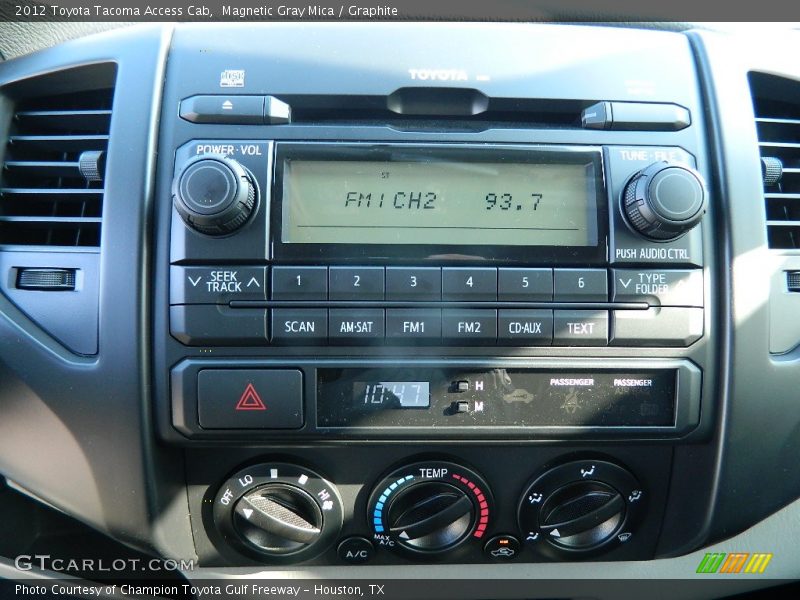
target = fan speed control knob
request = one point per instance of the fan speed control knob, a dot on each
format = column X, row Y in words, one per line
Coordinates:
column 664, row 200
column 214, row 195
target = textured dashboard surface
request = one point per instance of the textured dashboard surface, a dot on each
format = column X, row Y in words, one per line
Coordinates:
column 18, row 39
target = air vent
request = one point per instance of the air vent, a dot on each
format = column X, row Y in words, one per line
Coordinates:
column 52, row 182
column 776, row 102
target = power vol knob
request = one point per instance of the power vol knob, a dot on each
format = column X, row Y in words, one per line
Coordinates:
column 665, row 200
column 214, row 195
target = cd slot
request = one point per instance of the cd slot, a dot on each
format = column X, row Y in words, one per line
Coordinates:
column 449, row 107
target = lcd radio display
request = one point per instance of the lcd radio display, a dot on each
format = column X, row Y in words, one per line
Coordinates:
column 440, row 201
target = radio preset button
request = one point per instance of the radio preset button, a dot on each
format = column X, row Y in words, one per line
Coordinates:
column 660, row 287
column 469, row 325
column 355, row 283
column 468, row 283
column 355, row 325
column 299, row 283
column 525, row 285
column 580, row 285
column 580, row 328
column 413, row 283
column 526, row 327
column 414, row 324
column 299, row 325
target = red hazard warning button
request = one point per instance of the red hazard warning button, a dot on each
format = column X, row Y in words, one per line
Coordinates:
column 250, row 398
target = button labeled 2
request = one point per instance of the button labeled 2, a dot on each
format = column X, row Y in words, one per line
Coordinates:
column 355, row 283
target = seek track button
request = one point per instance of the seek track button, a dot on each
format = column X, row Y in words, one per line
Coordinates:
column 216, row 285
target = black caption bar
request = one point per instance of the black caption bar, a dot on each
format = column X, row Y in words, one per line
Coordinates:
column 390, row 10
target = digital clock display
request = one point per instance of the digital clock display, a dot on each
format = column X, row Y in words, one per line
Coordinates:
column 391, row 394
column 441, row 201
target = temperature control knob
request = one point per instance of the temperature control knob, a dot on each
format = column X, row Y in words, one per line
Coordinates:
column 664, row 200
column 279, row 512
column 214, row 195
column 429, row 508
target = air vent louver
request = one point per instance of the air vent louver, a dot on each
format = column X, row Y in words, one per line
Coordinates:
column 50, row 194
column 776, row 102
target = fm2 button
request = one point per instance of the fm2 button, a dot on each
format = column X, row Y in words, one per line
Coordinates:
column 469, row 326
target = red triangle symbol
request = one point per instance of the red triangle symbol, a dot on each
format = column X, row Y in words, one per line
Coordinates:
column 250, row 400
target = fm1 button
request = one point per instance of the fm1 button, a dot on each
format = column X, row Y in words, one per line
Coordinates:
column 502, row 547
column 355, row 550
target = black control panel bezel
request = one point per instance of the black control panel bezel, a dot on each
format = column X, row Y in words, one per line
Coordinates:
column 296, row 253
column 184, row 386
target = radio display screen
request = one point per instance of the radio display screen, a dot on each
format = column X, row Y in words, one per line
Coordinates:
column 438, row 200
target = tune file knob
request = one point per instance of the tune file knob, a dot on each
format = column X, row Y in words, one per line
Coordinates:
column 664, row 200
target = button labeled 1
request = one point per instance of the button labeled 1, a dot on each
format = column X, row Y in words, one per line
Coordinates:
column 299, row 283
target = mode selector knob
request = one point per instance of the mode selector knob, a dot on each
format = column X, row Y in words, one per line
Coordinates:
column 664, row 200
column 214, row 195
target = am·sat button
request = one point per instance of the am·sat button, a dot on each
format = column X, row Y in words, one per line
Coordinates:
column 250, row 398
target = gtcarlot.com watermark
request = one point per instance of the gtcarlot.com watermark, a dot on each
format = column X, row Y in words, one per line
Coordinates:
column 29, row 562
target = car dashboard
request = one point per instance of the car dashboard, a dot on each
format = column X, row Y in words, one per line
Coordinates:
column 471, row 301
